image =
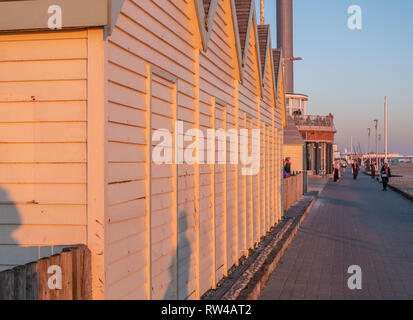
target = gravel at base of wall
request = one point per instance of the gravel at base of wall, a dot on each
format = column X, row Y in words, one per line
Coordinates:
column 242, row 280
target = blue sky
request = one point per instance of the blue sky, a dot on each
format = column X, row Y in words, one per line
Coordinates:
column 348, row 72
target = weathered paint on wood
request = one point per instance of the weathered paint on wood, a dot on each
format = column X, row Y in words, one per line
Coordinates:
column 154, row 231
column 43, row 138
column 31, row 281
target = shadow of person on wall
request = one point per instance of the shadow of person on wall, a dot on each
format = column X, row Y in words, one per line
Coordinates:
column 180, row 265
column 14, row 247
column 9, row 250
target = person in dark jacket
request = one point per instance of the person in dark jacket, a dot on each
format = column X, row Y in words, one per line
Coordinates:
column 336, row 171
column 287, row 166
column 385, row 175
column 373, row 170
column 356, row 169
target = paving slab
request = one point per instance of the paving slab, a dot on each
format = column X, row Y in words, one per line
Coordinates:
column 353, row 222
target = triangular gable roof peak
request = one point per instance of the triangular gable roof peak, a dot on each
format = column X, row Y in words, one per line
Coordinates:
column 264, row 41
column 244, row 10
column 207, row 4
column 246, row 18
column 206, row 10
column 276, row 56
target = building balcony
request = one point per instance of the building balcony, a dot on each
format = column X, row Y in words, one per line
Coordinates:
column 296, row 104
column 315, row 123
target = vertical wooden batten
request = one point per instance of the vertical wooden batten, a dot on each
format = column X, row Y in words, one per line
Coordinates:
column 148, row 175
column 197, row 178
column 96, row 166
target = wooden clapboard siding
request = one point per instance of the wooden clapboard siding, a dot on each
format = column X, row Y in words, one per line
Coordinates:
column 165, row 212
column 189, row 223
column 150, row 34
column 271, row 115
column 206, row 197
column 217, row 212
column 220, row 190
column 43, row 97
column 155, row 231
column 295, row 153
column 249, row 95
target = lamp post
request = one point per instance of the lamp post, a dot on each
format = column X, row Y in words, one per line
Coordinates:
column 385, row 129
column 368, row 144
column 381, row 159
column 377, row 142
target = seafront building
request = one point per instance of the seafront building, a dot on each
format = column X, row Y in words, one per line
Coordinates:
column 317, row 131
column 294, row 146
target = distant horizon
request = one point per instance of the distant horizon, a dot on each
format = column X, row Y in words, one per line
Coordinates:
column 348, row 72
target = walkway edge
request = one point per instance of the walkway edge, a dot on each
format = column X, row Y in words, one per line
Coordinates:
column 257, row 283
column 401, row 192
column 398, row 190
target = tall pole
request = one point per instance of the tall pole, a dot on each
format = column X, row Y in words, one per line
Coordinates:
column 285, row 33
column 385, row 129
column 381, row 158
column 368, row 145
column 262, row 11
column 377, row 142
column 351, row 144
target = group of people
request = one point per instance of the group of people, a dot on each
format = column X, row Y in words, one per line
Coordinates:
column 385, row 172
column 337, row 174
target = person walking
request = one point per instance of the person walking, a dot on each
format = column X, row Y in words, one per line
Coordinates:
column 287, row 167
column 385, row 175
column 336, row 171
column 373, row 170
column 356, row 169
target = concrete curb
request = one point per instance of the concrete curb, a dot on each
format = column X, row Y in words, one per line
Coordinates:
column 401, row 192
column 257, row 283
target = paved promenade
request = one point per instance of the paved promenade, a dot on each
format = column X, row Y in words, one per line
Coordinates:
column 352, row 223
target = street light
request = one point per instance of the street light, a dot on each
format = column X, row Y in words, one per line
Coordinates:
column 385, row 129
column 379, row 150
column 368, row 146
column 377, row 142
column 293, row 59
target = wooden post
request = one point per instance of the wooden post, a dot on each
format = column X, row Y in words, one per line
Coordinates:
column 296, row 185
column 7, row 285
column 19, row 282
column 32, row 281
column 44, row 293
column 284, row 194
column 66, row 263
column 77, row 271
column 55, row 294
column 86, row 282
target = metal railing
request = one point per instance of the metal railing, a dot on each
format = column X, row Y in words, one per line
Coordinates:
column 315, row 121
